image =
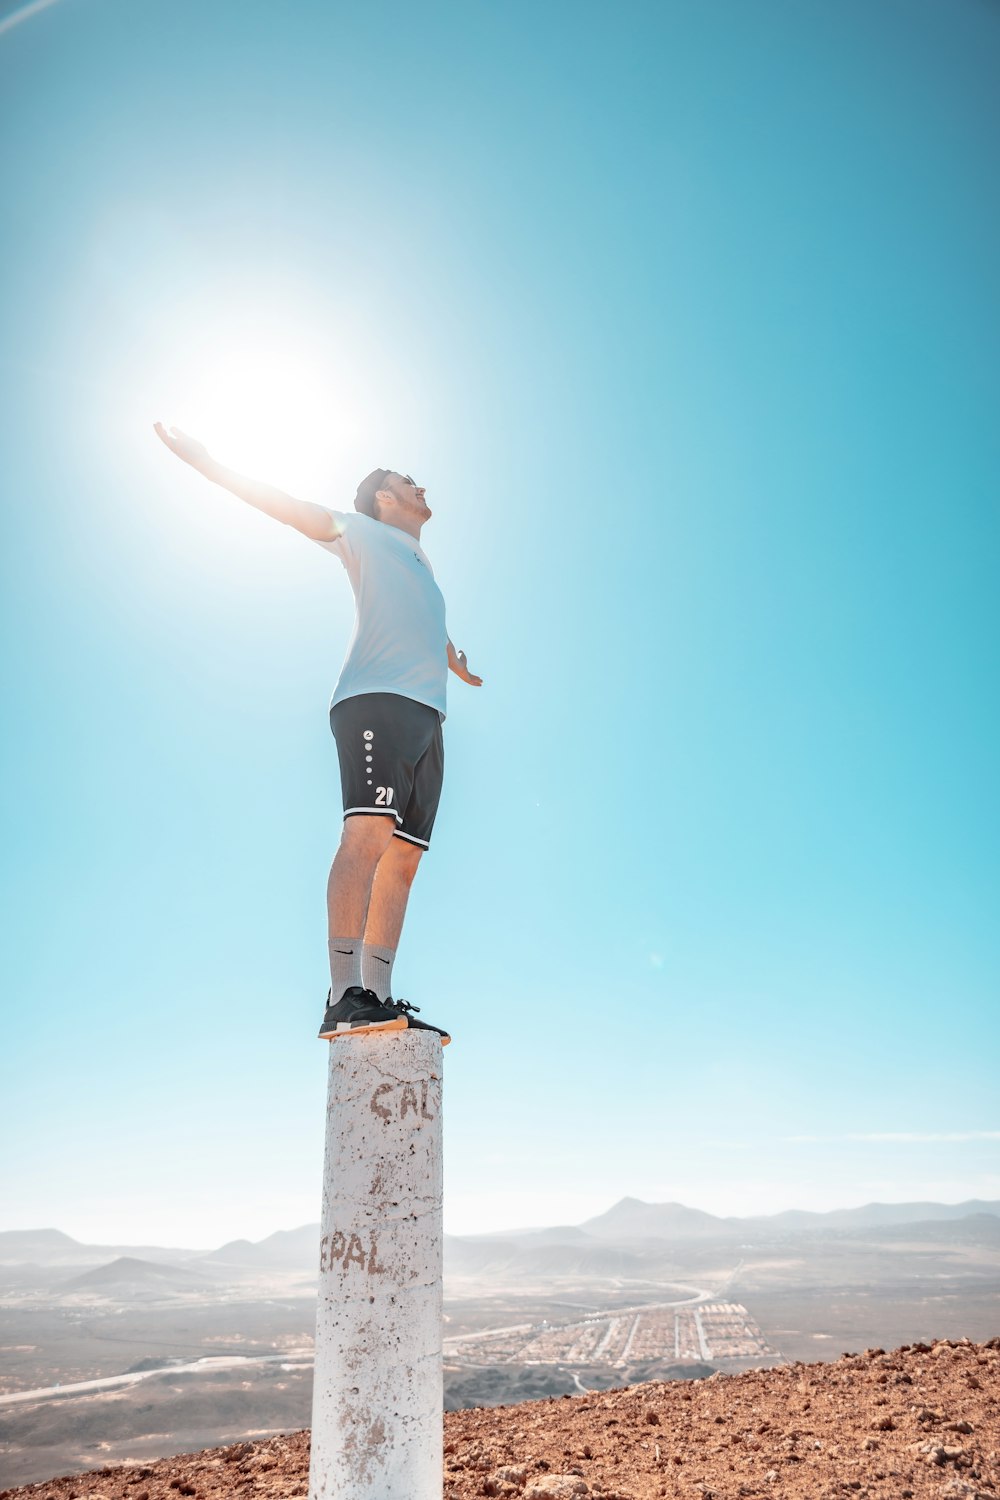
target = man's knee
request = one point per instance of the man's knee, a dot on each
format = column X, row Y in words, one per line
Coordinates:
column 367, row 836
column 405, row 857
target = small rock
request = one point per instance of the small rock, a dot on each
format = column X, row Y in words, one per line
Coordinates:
column 556, row 1487
column 511, row 1474
column 965, row 1427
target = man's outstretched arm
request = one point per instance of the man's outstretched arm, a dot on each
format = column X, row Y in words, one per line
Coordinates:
column 460, row 667
column 312, row 520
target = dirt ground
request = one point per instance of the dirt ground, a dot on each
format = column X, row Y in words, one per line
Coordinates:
column 922, row 1420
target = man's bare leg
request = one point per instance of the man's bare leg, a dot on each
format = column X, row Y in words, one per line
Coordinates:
column 386, row 910
column 390, row 892
column 363, row 842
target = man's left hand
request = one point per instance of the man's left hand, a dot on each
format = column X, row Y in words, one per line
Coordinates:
column 458, row 663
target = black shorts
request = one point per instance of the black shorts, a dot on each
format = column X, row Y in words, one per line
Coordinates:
column 391, row 752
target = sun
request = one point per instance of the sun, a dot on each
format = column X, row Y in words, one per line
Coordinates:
column 266, row 409
column 288, row 390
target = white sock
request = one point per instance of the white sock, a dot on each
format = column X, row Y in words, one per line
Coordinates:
column 345, row 965
column 376, row 965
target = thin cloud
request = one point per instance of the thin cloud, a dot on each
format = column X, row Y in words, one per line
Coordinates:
column 899, row 1137
column 24, row 14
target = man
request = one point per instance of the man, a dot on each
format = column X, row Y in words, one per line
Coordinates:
column 386, row 716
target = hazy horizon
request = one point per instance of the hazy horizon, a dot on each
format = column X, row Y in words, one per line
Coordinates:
column 190, row 1244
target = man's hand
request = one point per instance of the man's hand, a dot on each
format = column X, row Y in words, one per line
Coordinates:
column 314, row 521
column 460, row 666
column 185, row 446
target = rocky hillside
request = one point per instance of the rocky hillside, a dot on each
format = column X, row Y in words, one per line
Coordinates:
column 921, row 1421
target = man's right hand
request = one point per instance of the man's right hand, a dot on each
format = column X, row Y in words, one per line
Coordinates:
column 314, row 521
column 185, row 446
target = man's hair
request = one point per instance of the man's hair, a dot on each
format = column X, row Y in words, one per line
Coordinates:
column 364, row 500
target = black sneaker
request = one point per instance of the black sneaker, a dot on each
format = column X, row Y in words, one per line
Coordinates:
column 356, row 1011
column 404, row 1009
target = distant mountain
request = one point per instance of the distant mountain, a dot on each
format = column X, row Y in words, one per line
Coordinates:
column 631, row 1219
column 631, row 1225
column 128, row 1275
column 50, row 1247
column 39, row 1245
column 286, row 1249
column 869, row 1216
column 475, row 1257
column 497, row 1257
column 974, row 1229
column 561, row 1234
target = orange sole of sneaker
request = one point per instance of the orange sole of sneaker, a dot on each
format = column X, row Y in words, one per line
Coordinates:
column 344, row 1030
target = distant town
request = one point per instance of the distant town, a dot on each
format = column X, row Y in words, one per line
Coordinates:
column 722, row 1333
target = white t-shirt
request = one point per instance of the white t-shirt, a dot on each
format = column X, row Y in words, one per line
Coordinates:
column 400, row 640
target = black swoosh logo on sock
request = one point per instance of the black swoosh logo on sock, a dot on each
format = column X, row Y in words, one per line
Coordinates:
column 379, row 960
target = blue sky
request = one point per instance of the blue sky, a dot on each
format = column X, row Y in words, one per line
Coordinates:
column 687, row 317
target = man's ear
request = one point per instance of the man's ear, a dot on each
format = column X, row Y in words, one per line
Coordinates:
column 383, row 495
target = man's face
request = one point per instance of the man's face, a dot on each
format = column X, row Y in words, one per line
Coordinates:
column 409, row 495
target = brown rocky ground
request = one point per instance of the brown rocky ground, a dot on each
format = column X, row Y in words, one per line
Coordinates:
column 923, row 1420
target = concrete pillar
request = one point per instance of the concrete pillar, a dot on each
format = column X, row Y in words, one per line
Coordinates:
column 377, row 1397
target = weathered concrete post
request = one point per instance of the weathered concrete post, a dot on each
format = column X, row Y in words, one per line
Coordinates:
column 377, row 1396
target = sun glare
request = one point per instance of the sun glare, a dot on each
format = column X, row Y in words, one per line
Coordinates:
column 292, row 391
column 283, row 390
column 266, row 411
column 273, row 398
